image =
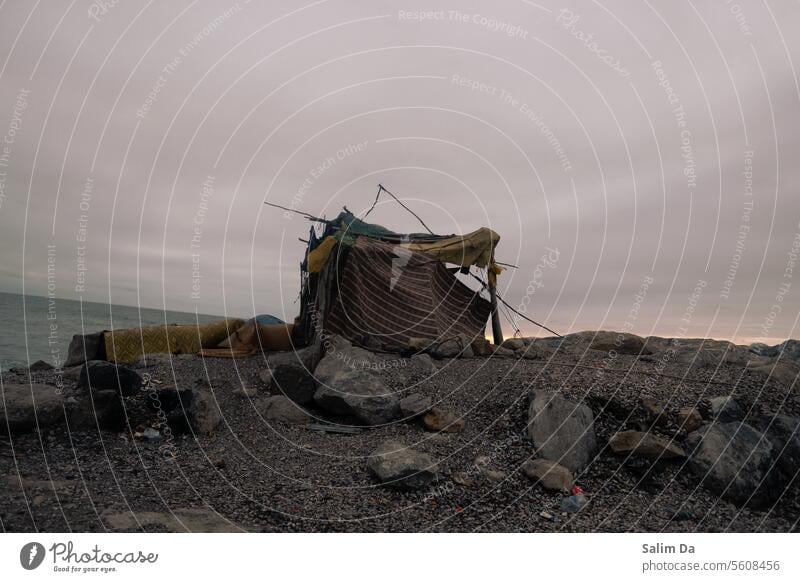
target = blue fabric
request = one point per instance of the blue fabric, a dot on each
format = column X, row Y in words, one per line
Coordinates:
column 265, row 319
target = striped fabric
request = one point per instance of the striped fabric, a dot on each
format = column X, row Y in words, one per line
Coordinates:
column 390, row 294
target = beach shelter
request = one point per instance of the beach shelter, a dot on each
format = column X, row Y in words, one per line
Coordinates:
column 383, row 289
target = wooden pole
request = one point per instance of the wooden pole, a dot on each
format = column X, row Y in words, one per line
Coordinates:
column 497, row 330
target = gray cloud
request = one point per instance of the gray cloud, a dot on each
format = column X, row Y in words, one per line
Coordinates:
column 554, row 128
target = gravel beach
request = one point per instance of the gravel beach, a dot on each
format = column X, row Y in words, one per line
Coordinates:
column 256, row 474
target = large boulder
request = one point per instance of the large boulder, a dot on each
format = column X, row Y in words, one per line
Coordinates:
column 561, row 430
column 84, row 348
column 187, row 410
column 96, row 409
column 30, row 407
column 101, row 375
column 348, row 384
column 621, row 343
column 726, row 409
column 784, row 433
column 291, row 379
column 396, row 465
column 644, row 444
column 415, row 405
column 736, row 461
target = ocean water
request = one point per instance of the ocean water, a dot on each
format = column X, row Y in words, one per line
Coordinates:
column 39, row 328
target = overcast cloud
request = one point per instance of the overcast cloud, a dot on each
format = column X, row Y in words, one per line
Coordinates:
column 648, row 150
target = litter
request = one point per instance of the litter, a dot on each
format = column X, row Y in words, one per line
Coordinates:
column 574, row 503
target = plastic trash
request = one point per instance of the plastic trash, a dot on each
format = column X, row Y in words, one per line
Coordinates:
column 574, row 503
column 577, row 490
column 151, row 434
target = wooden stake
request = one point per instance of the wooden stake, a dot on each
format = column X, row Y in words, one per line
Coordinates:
column 497, row 330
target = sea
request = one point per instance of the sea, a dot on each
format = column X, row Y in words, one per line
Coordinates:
column 39, row 328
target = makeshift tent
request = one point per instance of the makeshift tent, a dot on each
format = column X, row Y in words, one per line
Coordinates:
column 380, row 288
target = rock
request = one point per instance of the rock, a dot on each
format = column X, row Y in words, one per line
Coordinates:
column 621, row 343
column 396, row 465
column 187, row 410
column 782, row 372
column 735, row 461
column 418, row 344
column 100, row 375
column 481, row 347
column 246, row 390
column 653, row 411
column 689, row 419
column 726, row 409
column 449, row 348
column 73, row 373
column 502, row 352
column 562, row 431
column 349, row 385
column 784, row 433
column 30, row 407
column 40, row 366
column 281, row 409
column 514, row 344
column 290, row 379
column 415, row 405
column 84, row 348
column 549, row 475
column 175, row 520
column 439, row 420
column 151, row 434
column 533, row 352
column 98, row 408
column 424, row 364
column 644, row 444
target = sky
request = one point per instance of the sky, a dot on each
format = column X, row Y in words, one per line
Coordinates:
column 639, row 160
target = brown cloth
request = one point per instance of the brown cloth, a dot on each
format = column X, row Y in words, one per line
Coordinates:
column 390, row 294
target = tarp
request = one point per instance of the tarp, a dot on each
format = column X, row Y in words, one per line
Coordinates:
column 129, row 345
column 388, row 294
column 470, row 249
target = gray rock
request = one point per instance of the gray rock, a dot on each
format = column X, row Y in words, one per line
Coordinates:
column 735, row 461
column 424, row 364
column 689, row 419
column 291, row 379
column 415, row 405
column 784, row 433
column 562, row 431
column 176, row 520
column 84, row 348
column 187, row 410
column 621, row 343
column 396, row 465
column 30, row 407
column 349, row 385
column 726, row 409
column 549, row 475
column 100, row 375
column 281, row 409
column 96, row 409
column 514, row 343
column 40, row 366
column 644, row 444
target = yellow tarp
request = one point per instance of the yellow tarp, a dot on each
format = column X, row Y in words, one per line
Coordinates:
column 128, row 345
column 319, row 256
column 470, row 249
